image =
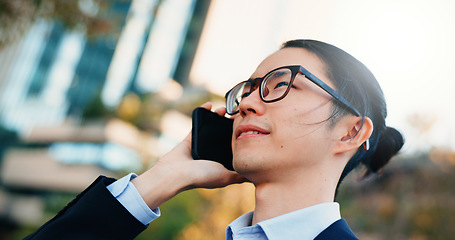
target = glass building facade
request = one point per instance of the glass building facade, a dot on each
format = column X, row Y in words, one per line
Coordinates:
column 53, row 73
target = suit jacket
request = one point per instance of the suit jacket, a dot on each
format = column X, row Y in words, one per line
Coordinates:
column 96, row 214
column 93, row 214
column 338, row 230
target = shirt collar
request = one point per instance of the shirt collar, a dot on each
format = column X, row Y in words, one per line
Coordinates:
column 305, row 223
column 242, row 222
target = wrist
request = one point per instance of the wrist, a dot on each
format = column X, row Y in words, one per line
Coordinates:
column 159, row 184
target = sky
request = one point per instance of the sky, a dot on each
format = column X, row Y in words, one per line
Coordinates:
column 408, row 45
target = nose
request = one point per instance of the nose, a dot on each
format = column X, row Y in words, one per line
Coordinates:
column 252, row 104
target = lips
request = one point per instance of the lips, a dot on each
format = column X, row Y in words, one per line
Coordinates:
column 249, row 131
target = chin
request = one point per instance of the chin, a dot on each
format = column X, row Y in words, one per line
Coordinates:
column 241, row 163
column 248, row 163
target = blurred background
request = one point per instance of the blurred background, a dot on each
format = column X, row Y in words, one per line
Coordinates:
column 90, row 87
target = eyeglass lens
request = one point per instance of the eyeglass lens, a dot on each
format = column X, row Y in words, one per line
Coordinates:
column 273, row 86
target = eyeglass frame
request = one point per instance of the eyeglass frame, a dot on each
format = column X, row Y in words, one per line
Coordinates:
column 295, row 69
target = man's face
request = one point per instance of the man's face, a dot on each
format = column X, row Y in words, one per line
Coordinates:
column 284, row 137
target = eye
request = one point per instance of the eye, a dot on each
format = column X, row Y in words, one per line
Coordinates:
column 281, row 84
column 279, row 79
column 245, row 95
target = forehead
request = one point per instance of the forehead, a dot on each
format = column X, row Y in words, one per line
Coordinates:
column 292, row 56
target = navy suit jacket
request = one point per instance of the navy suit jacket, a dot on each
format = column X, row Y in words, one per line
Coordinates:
column 93, row 214
column 338, row 230
column 96, row 214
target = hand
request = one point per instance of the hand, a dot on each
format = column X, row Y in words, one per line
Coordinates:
column 176, row 171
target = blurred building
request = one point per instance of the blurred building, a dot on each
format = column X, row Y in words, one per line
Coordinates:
column 53, row 73
column 50, row 76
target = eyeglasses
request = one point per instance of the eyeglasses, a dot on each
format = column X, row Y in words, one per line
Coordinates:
column 275, row 85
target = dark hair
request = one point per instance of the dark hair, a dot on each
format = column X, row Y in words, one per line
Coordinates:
column 355, row 82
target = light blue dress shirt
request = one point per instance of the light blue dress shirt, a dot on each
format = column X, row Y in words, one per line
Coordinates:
column 303, row 224
column 129, row 197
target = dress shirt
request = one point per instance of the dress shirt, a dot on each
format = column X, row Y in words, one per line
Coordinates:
column 305, row 223
column 129, row 197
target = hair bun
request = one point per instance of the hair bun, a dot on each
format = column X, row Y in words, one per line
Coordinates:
column 388, row 145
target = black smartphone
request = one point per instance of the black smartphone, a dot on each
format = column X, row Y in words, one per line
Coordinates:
column 211, row 137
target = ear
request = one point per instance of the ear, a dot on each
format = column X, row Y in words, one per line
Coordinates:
column 355, row 134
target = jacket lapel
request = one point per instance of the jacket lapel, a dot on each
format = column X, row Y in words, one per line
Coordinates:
column 338, row 230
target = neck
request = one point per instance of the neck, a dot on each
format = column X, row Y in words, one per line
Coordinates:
column 287, row 193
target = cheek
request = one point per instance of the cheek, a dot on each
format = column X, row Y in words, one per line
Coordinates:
column 304, row 119
column 311, row 113
column 302, row 126
column 302, row 141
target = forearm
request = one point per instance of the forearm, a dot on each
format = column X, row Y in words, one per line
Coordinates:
column 159, row 184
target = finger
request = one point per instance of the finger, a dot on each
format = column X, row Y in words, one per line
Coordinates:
column 207, row 105
column 188, row 137
column 221, row 111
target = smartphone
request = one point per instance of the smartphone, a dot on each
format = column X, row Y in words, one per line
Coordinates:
column 211, row 137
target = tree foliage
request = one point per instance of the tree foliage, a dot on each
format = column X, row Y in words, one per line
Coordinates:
column 90, row 16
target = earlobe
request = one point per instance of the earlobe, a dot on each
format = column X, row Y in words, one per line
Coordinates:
column 358, row 133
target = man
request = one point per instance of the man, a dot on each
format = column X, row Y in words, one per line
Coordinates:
column 294, row 138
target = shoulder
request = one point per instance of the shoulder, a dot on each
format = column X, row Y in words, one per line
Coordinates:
column 337, row 230
column 93, row 214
